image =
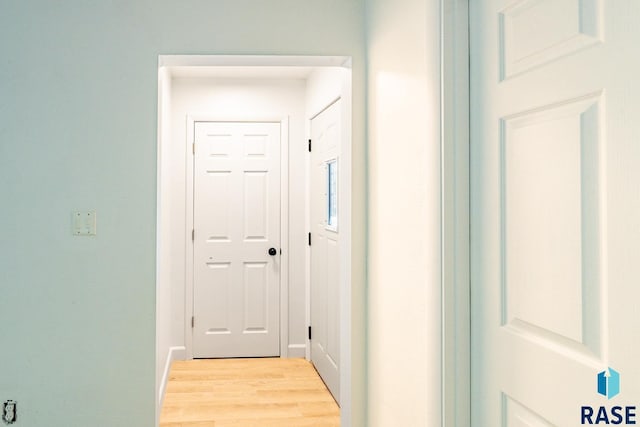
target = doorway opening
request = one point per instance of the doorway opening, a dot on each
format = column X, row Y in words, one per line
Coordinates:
column 203, row 101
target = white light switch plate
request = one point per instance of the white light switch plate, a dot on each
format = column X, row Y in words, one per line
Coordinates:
column 83, row 223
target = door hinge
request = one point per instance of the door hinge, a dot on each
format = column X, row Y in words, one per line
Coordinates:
column 193, row 321
column 309, row 333
column 193, row 148
column 309, row 239
column 309, row 145
column 193, row 235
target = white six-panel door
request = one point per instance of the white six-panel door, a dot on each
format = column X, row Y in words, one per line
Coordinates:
column 555, row 207
column 236, row 209
column 325, row 300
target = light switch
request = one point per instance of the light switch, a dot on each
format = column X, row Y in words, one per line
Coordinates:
column 83, row 223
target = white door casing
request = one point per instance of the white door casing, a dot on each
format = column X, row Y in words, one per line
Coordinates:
column 555, row 207
column 325, row 248
column 236, row 216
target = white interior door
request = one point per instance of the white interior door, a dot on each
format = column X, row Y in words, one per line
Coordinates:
column 236, row 288
column 555, row 208
column 325, row 246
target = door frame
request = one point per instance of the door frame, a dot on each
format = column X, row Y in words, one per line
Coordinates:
column 454, row 204
column 353, row 186
column 192, row 119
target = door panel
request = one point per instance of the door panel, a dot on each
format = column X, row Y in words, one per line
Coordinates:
column 236, row 221
column 535, row 32
column 554, row 206
column 256, row 204
column 325, row 247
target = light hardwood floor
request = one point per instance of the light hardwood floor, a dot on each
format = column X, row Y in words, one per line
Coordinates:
column 270, row 392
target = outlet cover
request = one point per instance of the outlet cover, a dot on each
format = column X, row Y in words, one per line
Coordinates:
column 10, row 411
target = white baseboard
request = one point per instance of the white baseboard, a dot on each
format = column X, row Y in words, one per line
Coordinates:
column 174, row 353
column 296, row 350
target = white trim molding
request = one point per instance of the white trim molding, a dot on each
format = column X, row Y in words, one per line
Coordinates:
column 175, row 353
column 253, row 61
column 297, row 350
column 456, row 334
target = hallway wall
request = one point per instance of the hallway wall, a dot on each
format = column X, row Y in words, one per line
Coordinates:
column 79, row 132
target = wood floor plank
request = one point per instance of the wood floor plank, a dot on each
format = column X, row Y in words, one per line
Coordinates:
column 269, row 392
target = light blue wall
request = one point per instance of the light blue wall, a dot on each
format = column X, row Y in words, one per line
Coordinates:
column 78, row 117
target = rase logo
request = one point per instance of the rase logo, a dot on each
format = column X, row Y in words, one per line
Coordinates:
column 608, row 386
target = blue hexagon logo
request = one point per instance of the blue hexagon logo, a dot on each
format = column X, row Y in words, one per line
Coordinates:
column 609, row 383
